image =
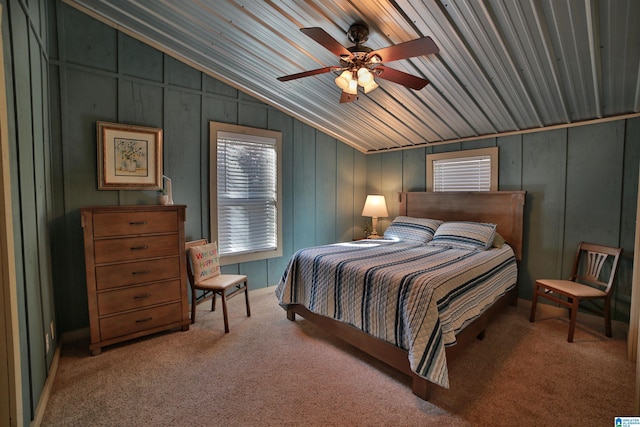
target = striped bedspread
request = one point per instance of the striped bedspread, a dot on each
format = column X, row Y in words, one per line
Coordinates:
column 414, row 296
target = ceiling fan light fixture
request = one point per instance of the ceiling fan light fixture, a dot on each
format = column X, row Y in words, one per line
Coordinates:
column 371, row 86
column 343, row 80
column 364, row 76
column 352, row 89
column 360, row 65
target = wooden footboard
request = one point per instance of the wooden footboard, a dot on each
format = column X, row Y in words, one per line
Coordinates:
column 395, row 356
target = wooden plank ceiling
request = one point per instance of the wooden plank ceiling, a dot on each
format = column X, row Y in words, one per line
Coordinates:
column 503, row 66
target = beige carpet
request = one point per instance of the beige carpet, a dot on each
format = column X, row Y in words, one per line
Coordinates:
column 270, row 371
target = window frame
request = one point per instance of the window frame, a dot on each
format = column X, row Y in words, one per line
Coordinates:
column 492, row 152
column 214, row 128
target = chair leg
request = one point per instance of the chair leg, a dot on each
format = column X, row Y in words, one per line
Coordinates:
column 223, row 297
column 607, row 318
column 534, row 302
column 193, row 305
column 246, row 298
column 213, row 301
column 575, row 302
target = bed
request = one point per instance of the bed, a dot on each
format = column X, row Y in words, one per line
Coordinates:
column 415, row 300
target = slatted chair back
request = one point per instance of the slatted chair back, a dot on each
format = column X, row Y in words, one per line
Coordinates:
column 593, row 259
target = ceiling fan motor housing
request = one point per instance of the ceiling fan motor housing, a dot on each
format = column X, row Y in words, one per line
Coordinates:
column 358, row 33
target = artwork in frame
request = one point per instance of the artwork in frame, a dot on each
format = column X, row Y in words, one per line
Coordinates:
column 129, row 157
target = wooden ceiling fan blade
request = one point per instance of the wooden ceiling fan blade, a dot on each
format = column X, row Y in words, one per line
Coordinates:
column 307, row 73
column 347, row 97
column 322, row 37
column 400, row 77
column 410, row 49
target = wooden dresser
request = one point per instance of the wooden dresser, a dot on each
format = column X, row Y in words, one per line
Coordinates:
column 136, row 278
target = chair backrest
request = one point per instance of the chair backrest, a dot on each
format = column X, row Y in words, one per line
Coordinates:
column 588, row 266
column 187, row 246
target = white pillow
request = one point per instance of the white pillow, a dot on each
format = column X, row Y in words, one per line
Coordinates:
column 410, row 228
column 465, row 235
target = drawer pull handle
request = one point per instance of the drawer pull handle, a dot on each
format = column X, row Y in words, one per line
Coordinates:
column 144, row 320
column 141, row 272
column 139, row 248
column 142, row 296
column 138, row 223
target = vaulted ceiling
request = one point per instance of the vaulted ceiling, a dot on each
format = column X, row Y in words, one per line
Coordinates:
column 503, row 66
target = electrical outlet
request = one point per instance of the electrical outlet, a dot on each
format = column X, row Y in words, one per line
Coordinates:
column 46, row 343
column 53, row 330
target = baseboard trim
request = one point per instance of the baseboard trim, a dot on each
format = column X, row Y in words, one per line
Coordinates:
column 46, row 390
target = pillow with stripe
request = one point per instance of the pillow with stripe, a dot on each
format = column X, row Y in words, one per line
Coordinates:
column 465, row 235
column 410, row 228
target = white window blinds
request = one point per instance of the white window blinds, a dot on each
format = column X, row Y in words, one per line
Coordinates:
column 247, row 193
column 462, row 174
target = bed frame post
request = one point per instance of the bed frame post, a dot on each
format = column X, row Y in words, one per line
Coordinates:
column 421, row 387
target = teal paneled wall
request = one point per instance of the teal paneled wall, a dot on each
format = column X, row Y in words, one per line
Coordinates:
column 24, row 38
column 581, row 184
column 100, row 74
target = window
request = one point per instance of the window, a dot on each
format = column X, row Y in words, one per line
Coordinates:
column 245, row 191
column 470, row 170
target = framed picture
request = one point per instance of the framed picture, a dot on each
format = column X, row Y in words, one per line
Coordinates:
column 129, row 157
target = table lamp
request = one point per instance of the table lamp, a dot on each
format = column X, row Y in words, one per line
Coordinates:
column 375, row 206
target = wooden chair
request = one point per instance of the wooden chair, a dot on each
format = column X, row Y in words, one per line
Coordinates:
column 218, row 285
column 588, row 282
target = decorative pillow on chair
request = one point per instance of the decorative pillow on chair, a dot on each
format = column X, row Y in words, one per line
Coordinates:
column 465, row 235
column 205, row 261
column 410, row 228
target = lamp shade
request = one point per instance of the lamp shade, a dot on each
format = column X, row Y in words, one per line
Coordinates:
column 375, row 206
column 342, row 81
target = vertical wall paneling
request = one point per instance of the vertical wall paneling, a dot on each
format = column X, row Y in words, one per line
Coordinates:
column 325, row 197
column 510, row 161
column 594, row 186
column 543, row 177
column 87, row 44
column 304, row 186
column 414, row 170
column 633, row 344
column 11, row 371
column 359, row 191
column 138, row 60
column 24, row 38
column 182, row 152
column 27, row 206
column 622, row 292
column 276, row 266
column 345, row 184
column 391, row 176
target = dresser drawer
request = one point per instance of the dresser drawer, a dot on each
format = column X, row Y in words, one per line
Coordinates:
column 138, row 297
column 131, row 223
column 132, row 273
column 134, row 248
column 136, row 321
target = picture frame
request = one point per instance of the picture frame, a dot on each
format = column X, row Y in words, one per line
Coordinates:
column 129, row 157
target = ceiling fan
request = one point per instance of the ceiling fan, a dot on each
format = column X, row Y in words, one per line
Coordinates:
column 359, row 64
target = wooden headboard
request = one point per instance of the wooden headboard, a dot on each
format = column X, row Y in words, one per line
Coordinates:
column 503, row 208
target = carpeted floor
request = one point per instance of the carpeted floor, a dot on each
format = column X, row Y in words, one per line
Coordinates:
column 270, row 371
